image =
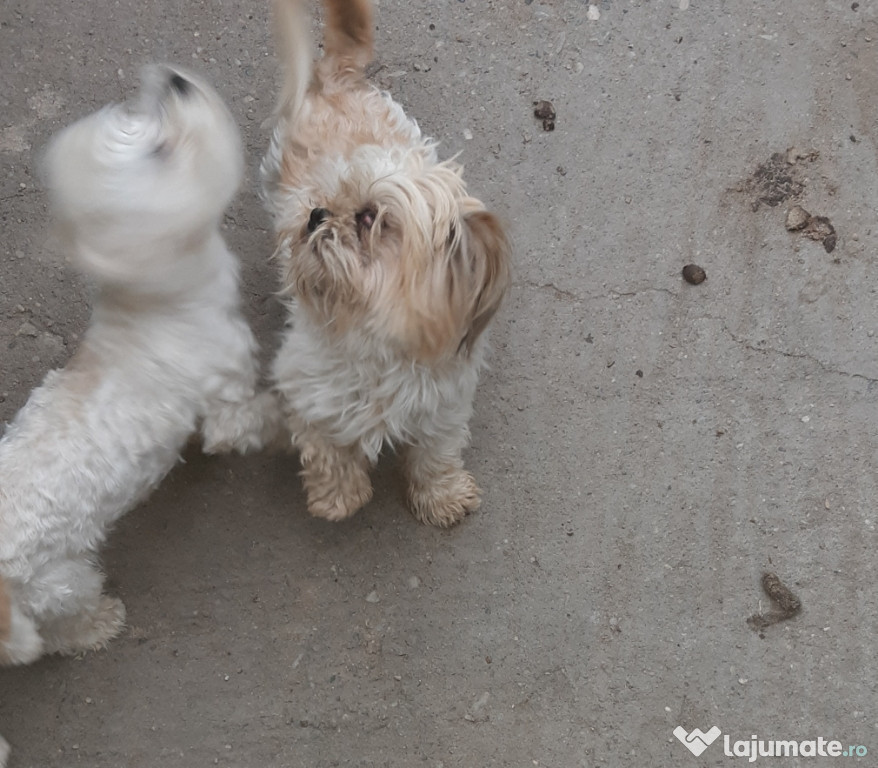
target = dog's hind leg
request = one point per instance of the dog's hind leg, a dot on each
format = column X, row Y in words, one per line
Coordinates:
column 89, row 630
column 20, row 643
column 4, row 752
column 75, row 616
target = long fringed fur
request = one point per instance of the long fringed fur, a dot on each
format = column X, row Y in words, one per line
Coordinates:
column 393, row 273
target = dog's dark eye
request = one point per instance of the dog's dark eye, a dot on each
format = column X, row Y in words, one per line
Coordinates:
column 366, row 218
column 161, row 151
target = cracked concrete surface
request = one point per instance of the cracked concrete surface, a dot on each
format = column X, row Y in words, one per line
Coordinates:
column 600, row 598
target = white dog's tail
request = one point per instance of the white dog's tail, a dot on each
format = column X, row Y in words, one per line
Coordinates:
column 20, row 643
column 294, row 52
column 347, row 46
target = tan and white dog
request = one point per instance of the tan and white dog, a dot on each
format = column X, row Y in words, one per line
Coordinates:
column 393, row 273
column 138, row 192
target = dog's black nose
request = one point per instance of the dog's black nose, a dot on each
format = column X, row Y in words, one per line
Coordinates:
column 318, row 216
column 180, row 84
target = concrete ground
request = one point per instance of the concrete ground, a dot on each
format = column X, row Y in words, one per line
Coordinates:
column 648, row 448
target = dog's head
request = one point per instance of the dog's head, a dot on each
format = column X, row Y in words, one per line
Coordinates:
column 396, row 249
column 136, row 182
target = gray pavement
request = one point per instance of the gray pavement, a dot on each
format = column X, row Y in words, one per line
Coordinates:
column 648, row 448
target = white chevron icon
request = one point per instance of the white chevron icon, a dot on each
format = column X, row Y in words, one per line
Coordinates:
column 696, row 740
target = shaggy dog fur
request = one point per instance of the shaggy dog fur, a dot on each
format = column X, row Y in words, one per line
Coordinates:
column 393, row 273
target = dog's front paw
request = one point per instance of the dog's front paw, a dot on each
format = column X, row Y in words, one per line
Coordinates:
column 336, row 489
column 447, row 500
column 336, row 502
column 243, row 427
column 336, row 506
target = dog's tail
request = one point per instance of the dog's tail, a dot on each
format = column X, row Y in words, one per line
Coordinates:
column 20, row 643
column 348, row 40
column 294, row 51
column 347, row 45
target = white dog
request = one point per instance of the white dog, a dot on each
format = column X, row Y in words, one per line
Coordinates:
column 138, row 192
column 393, row 271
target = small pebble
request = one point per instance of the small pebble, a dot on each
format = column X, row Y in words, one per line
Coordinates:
column 781, row 594
column 27, row 329
column 372, row 597
column 544, row 110
column 593, row 13
column 788, row 604
column 797, row 218
column 694, row 274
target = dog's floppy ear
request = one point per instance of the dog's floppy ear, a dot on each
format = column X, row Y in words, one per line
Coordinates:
column 483, row 258
column 451, row 300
